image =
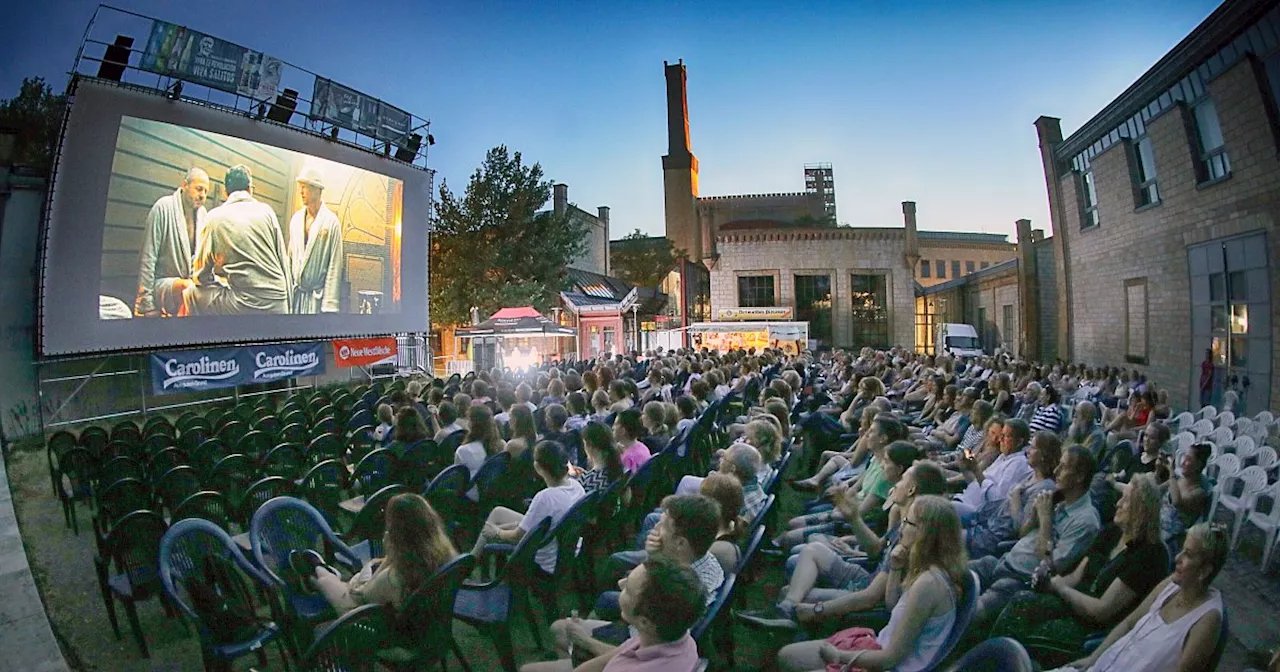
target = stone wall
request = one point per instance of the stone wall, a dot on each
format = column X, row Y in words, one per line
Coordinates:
column 839, row 253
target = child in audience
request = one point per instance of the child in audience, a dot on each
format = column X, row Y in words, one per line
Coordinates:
column 382, row 433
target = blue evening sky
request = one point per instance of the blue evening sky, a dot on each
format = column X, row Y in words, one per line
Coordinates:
column 925, row 101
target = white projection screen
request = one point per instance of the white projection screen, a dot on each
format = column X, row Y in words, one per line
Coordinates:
column 175, row 224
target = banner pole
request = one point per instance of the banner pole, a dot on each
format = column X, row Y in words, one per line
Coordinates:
column 142, row 384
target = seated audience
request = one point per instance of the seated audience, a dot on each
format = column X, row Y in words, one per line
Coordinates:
column 925, row 585
column 416, row 545
column 603, row 457
column 506, row 526
column 1177, row 626
column 1000, row 521
column 628, row 429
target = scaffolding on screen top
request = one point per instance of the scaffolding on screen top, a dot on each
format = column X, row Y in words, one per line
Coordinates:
column 188, row 65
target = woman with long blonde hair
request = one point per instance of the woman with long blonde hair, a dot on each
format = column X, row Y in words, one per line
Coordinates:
column 416, row 544
column 926, row 581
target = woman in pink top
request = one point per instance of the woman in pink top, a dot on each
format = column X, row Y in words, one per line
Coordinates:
column 628, row 428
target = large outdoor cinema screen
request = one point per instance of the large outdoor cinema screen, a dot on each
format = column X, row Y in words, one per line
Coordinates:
column 211, row 227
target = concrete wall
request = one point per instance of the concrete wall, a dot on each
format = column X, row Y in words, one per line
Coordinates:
column 1152, row 242
column 839, row 253
column 21, row 205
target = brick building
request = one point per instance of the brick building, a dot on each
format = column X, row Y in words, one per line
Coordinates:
column 1011, row 303
column 595, row 256
column 1164, row 209
column 947, row 255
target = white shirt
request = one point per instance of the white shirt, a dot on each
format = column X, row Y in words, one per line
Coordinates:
column 473, row 456
column 551, row 503
column 997, row 480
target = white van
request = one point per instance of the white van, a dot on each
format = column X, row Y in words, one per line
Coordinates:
column 957, row 340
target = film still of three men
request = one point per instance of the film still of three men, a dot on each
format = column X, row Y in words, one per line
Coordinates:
column 203, row 224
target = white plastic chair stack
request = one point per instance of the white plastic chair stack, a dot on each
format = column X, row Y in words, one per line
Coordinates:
column 1225, row 419
column 1221, row 468
column 1183, row 421
column 1207, row 413
column 1267, row 521
column 1243, row 425
column 1202, row 428
column 1264, row 417
column 1250, row 482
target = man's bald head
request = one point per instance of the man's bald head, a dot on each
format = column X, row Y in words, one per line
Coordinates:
column 195, row 187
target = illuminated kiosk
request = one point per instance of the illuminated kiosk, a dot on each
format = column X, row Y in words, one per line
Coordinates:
column 206, row 194
column 513, row 337
column 791, row 337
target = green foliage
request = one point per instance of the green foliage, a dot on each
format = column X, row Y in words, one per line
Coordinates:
column 492, row 249
column 36, row 114
column 645, row 261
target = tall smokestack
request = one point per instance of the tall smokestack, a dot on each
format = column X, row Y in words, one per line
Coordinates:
column 677, row 110
column 680, row 170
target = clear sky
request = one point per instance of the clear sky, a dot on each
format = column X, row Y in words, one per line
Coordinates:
column 926, row 101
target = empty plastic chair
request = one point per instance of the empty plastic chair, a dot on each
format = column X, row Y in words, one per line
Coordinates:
column 1237, row 494
column 1265, row 515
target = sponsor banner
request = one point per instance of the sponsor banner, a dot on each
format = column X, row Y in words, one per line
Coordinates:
column 277, row 362
column 190, row 370
column 188, row 54
column 770, row 313
column 363, row 351
column 193, row 370
column 348, row 108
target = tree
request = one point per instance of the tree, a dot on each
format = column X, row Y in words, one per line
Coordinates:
column 643, row 260
column 491, row 248
column 36, row 114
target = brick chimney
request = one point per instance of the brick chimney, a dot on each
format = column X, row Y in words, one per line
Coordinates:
column 1028, row 290
column 911, row 249
column 602, row 214
column 560, row 198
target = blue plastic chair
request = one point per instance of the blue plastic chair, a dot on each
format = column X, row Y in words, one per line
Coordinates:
column 351, row 643
column 1000, row 654
column 287, row 524
column 423, row 628
column 713, row 630
column 965, row 609
column 182, row 552
column 488, row 606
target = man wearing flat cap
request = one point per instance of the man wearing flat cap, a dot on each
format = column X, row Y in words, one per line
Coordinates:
column 315, row 249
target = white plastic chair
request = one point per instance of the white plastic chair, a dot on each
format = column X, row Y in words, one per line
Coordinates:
column 1267, row 521
column 1225, row 419
column 1243, row 425
column 1221, row 436
column 1202, row 428
column 1221, row 467
column 1266, row 458
column 1183, row 421
column 1265, row 417
column 1184, row 439
column 1252, row 480
column 1207, row 413
column 1246, row 449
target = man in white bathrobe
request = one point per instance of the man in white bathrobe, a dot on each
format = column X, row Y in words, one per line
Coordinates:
column 173, row 229
column 315, row 249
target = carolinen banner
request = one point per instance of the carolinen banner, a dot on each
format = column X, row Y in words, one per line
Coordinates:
column 190, row 370
column 363, row 351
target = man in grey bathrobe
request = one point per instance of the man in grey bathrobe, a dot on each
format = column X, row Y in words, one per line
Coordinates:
column 173, row 228
column 240, row 266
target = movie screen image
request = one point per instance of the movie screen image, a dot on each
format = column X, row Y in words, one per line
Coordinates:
column 200, row 225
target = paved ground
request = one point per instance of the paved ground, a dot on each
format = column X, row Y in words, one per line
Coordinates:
column 25, row 636
column 63, row 568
